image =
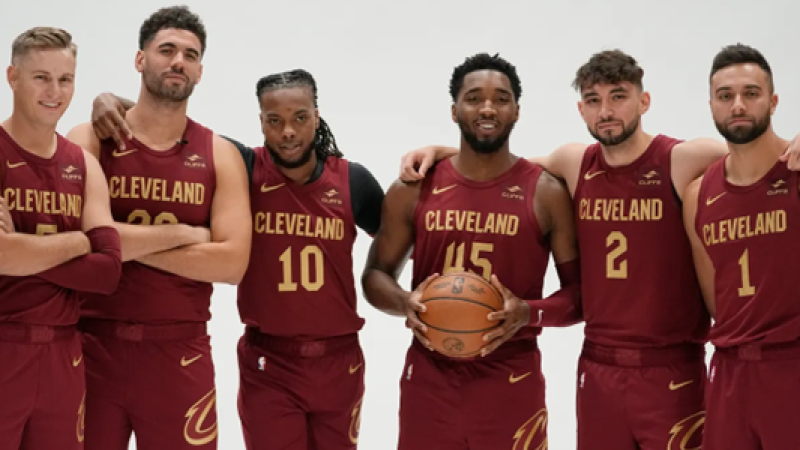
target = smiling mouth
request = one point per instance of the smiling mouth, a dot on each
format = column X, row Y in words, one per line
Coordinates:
column 50, row 105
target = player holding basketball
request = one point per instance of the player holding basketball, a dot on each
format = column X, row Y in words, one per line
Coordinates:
column 298, row 297
column 742, row 217
column 512, row 206
column 56, row 242
column 148, row 355
column 642, row 370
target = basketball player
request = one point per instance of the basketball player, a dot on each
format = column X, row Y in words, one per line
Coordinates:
column 513, row 207
column 742, row 217
column 642, row 370
column 297, row 298
column 57, row 242
column 179, row 196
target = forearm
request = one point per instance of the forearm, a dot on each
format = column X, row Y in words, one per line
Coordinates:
column 383, row 292
column 214, row 262
column 444, row 152
column 26, row 254
column 142, row 240
column 127, row 104
column 562, row 308
column 97, row 272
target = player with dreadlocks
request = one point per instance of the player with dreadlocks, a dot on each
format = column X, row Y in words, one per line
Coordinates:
column 301, row 364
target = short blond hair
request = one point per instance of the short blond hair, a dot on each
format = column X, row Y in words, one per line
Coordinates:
column 42, row 38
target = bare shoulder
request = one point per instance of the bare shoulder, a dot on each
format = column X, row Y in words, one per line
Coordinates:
column 551, row 187
column 402, row 197
column 691, row 192
column 83, row 135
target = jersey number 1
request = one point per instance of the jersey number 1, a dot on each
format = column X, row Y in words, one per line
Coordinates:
column 308, row 253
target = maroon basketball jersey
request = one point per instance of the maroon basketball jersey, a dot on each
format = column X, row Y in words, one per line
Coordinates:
column 149, row 187
column 299, row 282
column 44, row 196
column 638, row 281
column 747, row 232
column 485, row 227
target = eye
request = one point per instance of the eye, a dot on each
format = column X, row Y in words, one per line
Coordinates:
column 273, row 121
column 301, row 119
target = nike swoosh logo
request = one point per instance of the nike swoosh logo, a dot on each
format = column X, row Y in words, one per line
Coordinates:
column 437, row 191
column 353, row 369
column 117, row 153
column 185, row 362
column 711, row 200
column 673, row 386
column 15, row 165
column 265, row 188
column 77, row 361
column 589, row 176
column 512, row 379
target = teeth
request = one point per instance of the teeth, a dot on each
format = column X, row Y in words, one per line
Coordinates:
column 487, row 126
column 50, row 105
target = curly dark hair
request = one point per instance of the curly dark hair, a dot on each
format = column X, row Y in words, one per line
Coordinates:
column 608, row 67
column 484, row 61
column 176, row 17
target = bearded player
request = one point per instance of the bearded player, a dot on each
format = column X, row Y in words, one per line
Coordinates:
column 742, row 216
column 56, row 243
column 497, row 400
column 642, row 372
column 179, row 196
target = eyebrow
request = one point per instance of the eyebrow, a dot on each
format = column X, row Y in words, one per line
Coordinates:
column 502, row 90
column 747, row 86
column 616, row 90
column 191, row 50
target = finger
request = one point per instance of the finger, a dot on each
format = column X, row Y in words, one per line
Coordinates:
column 495, row 344
column 499, row 286
column 123, row 124
column 424, row 166
column 415, row 324
column 118, row 140
column 427, row 281
column 494, row 334
column 498, row 316
column 102, row 130
column 423, row 340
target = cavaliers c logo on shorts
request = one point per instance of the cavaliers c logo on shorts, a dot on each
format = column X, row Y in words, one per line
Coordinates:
column 355, row 422
column 532, row 432
column 687, row 432
column 193, row 431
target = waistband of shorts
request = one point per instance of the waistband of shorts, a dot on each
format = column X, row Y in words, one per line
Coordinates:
column 305, row 348
column 762, row 352
column 507, row 350
column 643, row 357
column 142, row 332
column 23, row 333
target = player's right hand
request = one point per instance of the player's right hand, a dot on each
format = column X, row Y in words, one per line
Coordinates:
column 6, row 222
column 413, row 306
column 108, row 119
column 200, row 235
column 415, row 163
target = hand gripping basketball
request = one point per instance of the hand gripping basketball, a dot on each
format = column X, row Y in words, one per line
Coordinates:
column 515, row 314
column 413, row 306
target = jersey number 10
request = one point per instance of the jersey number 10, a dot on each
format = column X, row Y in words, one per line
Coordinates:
column 309, row 252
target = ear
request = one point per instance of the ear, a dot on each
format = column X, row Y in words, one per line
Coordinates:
column 644, row 102
column 263, row 124
column 316, row 118
column 453, row 113
column 139, row 61
column 516, row 113
column 199, row 74
column 12, row 76
column 773, row 104
column 580, row 108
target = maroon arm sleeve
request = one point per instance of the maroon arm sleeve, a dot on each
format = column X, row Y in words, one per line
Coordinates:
column 98, row 272
column 563, row 307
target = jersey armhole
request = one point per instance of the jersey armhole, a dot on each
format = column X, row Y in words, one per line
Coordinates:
column 530, row 205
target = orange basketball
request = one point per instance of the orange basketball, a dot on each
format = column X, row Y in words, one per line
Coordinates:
column 457, row 304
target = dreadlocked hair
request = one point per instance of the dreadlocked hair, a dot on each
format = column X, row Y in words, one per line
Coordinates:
column 324, row 142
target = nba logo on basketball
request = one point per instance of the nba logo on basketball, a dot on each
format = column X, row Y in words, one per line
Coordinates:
column 458, row 285
column 262, row 362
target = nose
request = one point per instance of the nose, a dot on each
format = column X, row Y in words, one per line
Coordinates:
column 289, row 133
column 606, row 113
column 487, row 109
column 738, row 107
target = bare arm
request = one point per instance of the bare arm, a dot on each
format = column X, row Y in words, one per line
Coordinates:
column 100, row 270
column 689, row 160
column 225, row 258
column 139, row 240
column 702, row 263
column 27, row 254
column 390, row 250
column 553, row 204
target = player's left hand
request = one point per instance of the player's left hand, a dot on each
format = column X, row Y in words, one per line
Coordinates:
column 515, row 315
column 6, row 222
column 415, row 163
column 792, row 155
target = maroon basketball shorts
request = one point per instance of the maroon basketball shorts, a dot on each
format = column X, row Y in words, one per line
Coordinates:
column 753, row 398
column 156, row 381
column 640, row 399
column 300, row 395
column 490, row 403
column 41, row 388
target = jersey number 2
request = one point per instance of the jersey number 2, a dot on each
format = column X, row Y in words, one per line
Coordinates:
column 616, row 267
column 308, row 253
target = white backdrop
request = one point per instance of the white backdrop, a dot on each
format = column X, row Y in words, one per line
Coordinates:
column 383, row 71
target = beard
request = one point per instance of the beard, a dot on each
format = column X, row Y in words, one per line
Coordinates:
column 158, row 88
column 304, row 158
column 744, row 134
column 608, row 140
column 484, row 146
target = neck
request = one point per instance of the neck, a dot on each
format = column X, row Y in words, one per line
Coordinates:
column 302, row 174
column 34, row 138
column 748, row 163
column 482, row 166
column 628, row 151
column 158, row 124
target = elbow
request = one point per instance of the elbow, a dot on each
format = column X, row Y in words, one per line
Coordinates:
column 233, row 273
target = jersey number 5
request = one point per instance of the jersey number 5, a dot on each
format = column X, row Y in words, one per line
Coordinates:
column 616, row 267
column 308, row 253
column 454, row 258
